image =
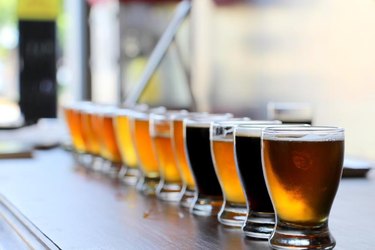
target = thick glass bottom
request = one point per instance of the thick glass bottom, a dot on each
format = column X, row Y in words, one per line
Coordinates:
column 129, row 176
column 259, row 225
column 206, row 205
column 187, row 198
column 169, row 191
column 291, row 236
column 232, row 214
column 148, row 185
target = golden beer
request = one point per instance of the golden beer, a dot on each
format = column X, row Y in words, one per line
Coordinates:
column 167, row 162
column 179, row 150
column 123, row 133
column 93, row 142
column 144, row 148
column 74, row 125
column 109, row 149
column 226, row 171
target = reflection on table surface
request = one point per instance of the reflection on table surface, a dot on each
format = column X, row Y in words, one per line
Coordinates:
column 83, row 210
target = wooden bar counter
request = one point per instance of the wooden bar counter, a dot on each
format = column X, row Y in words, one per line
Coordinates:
column 78, row 209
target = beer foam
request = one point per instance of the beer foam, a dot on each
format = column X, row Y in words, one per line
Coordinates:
column 312, row 136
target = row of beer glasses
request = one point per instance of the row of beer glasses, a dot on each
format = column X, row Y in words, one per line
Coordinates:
column 275, row 181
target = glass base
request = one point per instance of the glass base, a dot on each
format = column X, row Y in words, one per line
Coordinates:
column 129, row 176
column 232, row 214
column 259, row 225
column 149, row 185
column 206, row 205
column 169, row 191
column 289, row 236
column 113, row 169
column 187, row 197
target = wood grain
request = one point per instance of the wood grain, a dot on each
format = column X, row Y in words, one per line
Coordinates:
column 82, row 210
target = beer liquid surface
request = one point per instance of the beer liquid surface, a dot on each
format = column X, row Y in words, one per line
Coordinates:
column 226, row 171
column 146, row 153
column 249, row 162
column 111, row 150
column 167, row 162
column 199, row 153
column 125, row 141
column 303, row 178
column 179, row 147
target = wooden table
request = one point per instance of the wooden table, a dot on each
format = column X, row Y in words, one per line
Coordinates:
column 77, row 209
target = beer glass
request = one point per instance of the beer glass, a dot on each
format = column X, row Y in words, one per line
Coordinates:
column 261, row 217
column 145, row 151
column 208, row 198
column 302, row 168
column 178, row 145
column 123, row 131
column 109, row 149
column 72, row 120
column 234, row 209
column 170, row 185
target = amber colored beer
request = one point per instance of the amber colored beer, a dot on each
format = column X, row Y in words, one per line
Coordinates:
column 125, row 141
column 179, row 150
column 167, row 162
column 226, row 171
column 73, row 120
column 89, row 137
column 110, row 150
column 144, row 148
column 302, row 178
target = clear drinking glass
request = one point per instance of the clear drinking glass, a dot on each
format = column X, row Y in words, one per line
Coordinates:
column 178, row 142
column 170, row 185
column 208, row 198
column 123, row 130
column 234, row 209
column 145, row 151
column 261, row 217
column 302, row 168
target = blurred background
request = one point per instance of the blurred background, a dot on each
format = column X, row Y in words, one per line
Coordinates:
column 232, row 55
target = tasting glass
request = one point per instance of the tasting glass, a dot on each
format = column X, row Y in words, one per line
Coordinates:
column 170, row 185
column 234, row 209
column 109, row 149
column 145, row 151
column 303, row 168
column 178, row 145
column 261, row 217
column 208, row 197
column 129, row 173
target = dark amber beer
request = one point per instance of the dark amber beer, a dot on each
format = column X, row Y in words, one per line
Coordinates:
column 303, row 168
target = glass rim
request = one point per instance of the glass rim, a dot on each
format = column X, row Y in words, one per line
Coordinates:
column 206, row 121
column 312, row 133
column 256, row 130
column 297, row 129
